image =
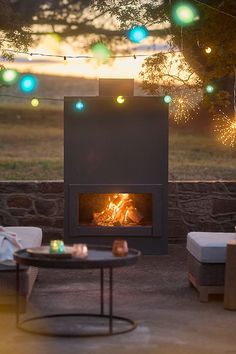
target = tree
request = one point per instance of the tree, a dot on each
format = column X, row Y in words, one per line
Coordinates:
column 14, row 31
column 215, row 29
column 97, row 20
column 68, row 19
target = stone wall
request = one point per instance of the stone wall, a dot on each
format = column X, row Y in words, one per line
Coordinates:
column 33, row 204
column 193, row 206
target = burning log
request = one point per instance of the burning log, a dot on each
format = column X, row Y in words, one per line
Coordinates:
column 120, row 210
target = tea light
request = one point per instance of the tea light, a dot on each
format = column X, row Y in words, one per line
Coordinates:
column 80, row 250
column 120, row 248
column 57, row 246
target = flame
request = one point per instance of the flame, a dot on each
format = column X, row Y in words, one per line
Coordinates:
column 119, row 211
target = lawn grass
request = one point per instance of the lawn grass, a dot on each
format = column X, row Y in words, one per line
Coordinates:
column 31, row 146
column 198, row 156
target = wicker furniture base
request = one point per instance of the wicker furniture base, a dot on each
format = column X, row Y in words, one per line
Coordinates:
column 207, row 278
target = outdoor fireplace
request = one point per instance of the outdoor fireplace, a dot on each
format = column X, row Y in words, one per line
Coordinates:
column 117, row 209
column 116, row 171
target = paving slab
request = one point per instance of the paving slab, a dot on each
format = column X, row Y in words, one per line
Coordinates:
column 155, row 293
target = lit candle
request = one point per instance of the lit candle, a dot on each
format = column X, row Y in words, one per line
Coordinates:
column 56, row 246
column 120, row 248
column 80, row 250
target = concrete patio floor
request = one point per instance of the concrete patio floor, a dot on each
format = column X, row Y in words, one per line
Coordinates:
column 155, row 293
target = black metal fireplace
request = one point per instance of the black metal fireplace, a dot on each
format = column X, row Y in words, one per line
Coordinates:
column 116, row 171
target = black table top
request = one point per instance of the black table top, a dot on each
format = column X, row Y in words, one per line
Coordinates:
column 98, row 257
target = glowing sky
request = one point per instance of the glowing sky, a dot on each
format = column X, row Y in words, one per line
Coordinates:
column 80, row 67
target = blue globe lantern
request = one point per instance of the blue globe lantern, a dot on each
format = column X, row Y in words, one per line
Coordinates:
column 28, row 83
column 137, row 34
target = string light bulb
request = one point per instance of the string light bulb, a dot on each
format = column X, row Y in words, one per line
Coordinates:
column 210, row 88
column 137, row 34
column 79, row 106
column 120, row 99
column 28, row 83
column 34, row 102
column 100, row 52
column 167, row 99
column 184, row 13
column 208, row 50
column 30, row 56
column 9, row 76
column 65, row 60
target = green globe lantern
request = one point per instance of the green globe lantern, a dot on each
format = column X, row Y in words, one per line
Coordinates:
column 9, row 76
column 167, row 99
column 184, row 14
column 100, row 52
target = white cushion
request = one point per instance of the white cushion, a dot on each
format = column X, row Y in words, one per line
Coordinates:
column 30, row 236
column 209, row 247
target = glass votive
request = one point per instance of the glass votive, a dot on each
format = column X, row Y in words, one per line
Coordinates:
column 80, row 250
column 57, row 246
column 120, row 248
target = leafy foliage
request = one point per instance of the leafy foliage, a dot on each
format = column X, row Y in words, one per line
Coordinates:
column 14, row 31
column 169, row 71
column 214, row 29
column 106, row 20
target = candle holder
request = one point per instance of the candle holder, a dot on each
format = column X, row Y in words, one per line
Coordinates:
column 56, row 246
column 80, row 250
column 120, row 248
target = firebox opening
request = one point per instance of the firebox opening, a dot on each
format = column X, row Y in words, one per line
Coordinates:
column 118, row 209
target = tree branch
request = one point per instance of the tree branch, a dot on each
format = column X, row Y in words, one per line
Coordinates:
column 89, row 29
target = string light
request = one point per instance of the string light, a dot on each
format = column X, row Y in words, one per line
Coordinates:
column 184, row 14
column 210, row 88
column 34, row 102
column 9, row 76
column 28, row 83
column 100, row 52
column 167, row 99
column 137, row 34
column 120, row 99
column 39, row 98
column 30, row 57
column 134, row 56
column 215, row 9
column 183, row 106
column 208, row 50
column 225, row 128
column 79, row 106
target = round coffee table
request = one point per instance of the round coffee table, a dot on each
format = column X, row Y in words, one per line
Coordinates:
column 99, row 257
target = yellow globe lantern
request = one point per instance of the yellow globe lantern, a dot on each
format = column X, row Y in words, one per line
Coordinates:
column 34, row 102
column 120, row 99
column 208, row 50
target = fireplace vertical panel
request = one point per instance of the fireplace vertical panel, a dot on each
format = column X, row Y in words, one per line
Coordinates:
column 113, row 149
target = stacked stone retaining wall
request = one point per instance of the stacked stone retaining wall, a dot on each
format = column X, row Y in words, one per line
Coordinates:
column 192, row 206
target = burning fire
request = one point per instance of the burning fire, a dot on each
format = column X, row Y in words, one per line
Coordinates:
column 119, row 211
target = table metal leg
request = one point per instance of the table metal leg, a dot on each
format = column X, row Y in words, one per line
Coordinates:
column 110, row 317
column 17, row 294
column 110, row 300
column 102, row 291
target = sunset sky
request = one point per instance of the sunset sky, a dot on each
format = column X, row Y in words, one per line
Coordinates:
column 80, row 67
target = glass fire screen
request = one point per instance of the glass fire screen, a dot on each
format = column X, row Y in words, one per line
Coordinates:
column 119, row 209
